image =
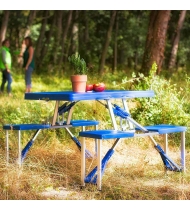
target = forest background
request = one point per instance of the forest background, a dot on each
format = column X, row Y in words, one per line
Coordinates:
column 107, row 40
column 120, row 48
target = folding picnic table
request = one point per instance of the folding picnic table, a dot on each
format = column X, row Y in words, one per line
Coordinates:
column 71, row 99
column 115, row 132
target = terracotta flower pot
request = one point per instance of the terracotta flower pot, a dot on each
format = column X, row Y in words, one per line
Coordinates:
column 79, row 83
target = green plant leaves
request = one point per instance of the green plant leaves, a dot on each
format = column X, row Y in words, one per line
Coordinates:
column 78, row 64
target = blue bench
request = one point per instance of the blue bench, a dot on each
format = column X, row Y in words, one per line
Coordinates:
column 101, row 164
column 38, row 128
column 73, row 123
column 78, row 123
column 166, row 129
column 112, row 134
column 106, row 134
column 25, row 126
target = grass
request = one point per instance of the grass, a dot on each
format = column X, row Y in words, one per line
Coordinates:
column 132, row 173
column 51, row 170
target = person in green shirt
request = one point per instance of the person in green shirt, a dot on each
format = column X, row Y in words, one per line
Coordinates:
column 5, row 66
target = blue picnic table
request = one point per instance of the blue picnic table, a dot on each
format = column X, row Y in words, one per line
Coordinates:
column 65, row 102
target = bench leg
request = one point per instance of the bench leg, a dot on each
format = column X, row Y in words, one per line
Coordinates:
column 96, row 128
column 83, row 129
column 55, row 113
column 83, row 164
column 109, row 105
column 183, row 150
column 99, row 165
column 19, row 148
column 131, row 126
column 7, row 147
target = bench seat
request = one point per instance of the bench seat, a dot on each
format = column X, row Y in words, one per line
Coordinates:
column 38, row 127
column 106, row 134
column 25, row 126
column 164, row 128
column 76, row 123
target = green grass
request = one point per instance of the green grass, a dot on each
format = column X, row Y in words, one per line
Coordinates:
column 51, row 170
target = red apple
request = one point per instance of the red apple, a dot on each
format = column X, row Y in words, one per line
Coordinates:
column 99, row 87
column 89, row 87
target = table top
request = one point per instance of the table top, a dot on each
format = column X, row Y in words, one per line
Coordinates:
column 73, row 96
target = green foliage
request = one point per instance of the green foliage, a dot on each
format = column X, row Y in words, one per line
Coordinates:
column 130, row 37
column 170, row 105
column 35, row 31
column 78, row 64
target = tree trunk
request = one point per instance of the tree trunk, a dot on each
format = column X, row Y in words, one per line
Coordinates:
column 115, row 46
column 48, row 37
column 58, row 34
column 135, row 59
column 4, row 25
column 31, row 18
column 137, row 42
column 107, row 41
column 172, row 61
column 64, row 36
column 86, row 33
column 40, row 39
column 155, row 42
column 74, row 46
column 84, row 42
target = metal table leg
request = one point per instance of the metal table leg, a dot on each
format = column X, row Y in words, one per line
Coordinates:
column 83, row 164
column 166, row 143
column 99, row 165
column 19, row 148
column 183, row 150
column 96, row 141
column 7, row 147
column 166, row 147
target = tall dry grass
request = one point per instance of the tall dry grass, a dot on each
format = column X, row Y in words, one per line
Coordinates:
column 52, row 171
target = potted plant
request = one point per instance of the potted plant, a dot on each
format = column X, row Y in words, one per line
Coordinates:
column 79, row 78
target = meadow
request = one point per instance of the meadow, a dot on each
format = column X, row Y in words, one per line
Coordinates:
column 51, row 170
